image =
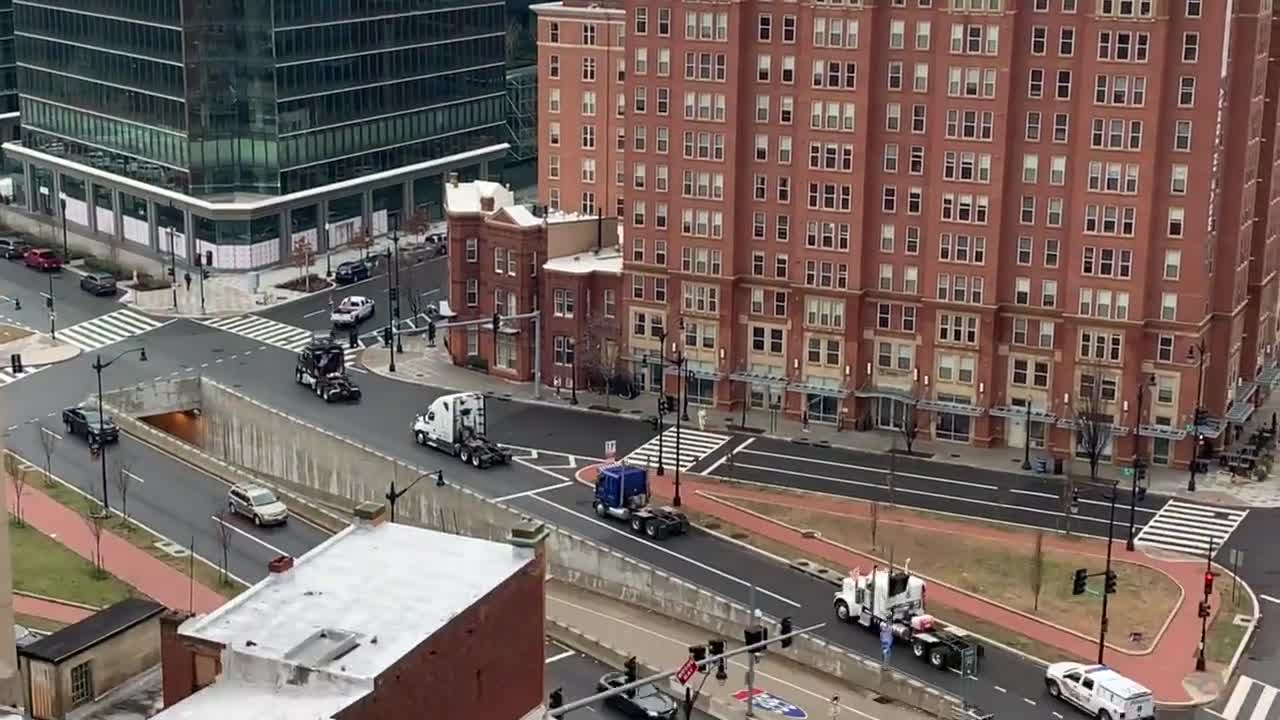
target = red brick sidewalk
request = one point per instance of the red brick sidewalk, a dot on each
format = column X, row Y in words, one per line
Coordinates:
column 126, row 561
column 1161, row 669
column 49, row 609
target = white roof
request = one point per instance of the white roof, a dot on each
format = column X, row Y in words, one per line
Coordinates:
column 465, row 196
column 251, row 687
column 608, row 260
column 366, row 596
column 1115, row 682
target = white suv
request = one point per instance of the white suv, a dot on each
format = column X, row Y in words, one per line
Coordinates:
column 258, row 504
column 1099, row 691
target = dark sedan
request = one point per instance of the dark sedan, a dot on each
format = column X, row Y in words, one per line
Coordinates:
column 89, row 424
column 648, row 702
column 13, row 248
column 101, row 284
column 353, row 271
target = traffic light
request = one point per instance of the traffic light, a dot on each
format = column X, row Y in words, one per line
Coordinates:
column 555, row 699
column 755, row 635
column 497, row 320
column 1110, row 585
column 1080, row 581
column 15, row 363
column 386, row 336
column 353, row 338
column 632, row 669
column 1200, row 419
column 784, row 628
column 208, row 258
column 48, row 301
column 431, row 332
column 698, row 653
column 1208, row 583
column 654, row 423
column 1204, row 609
column 717, row 649
column 199, row 260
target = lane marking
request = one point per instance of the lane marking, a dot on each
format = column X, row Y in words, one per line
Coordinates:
column 1268, row 598
column 131, row 476
column 727, row 455
column 731, row 661
column 561, row 656
column 46, row 430
column 252, row 537
column 534, row 491
column 876, row 470
column 1029, row 701
column 315, row 312
column 999, row 689
column 653, row 545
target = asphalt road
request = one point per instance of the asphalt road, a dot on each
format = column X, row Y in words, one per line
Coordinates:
column 576, row 675
column 563, row 437
column 71, row 304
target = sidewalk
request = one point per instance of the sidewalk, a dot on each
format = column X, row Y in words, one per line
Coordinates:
column 663, row 643
column 48, row 609
column 121, row 558
column 431, row 366
column 1168, row 668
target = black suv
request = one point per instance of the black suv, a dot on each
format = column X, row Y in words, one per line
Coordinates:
column 353, row 271
column 88, row 423
column 101, row 284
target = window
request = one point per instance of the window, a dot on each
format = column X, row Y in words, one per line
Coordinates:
column 1177, row 217
column 473, row 250
column 641, row 21
column 1190, row 47
column 1186, row 91
column 1066, row 41
column 589, row 69
column 764, row 25
column 1168, row 306
column 1049, row 293
column 1164, row 348
column 1172, row 264
column 1030, row 168
column 1178, row 179
column 1025, row 245
column 564, row 349
column 1022, row 291
column 82, row 683
column 1182, row 136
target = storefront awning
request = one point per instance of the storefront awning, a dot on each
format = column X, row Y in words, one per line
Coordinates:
column 698, row 372
column 1074, row 425
column 886, row 393
column 1162, row 431
column 1240, row 411
column 834, row 391
column 1019, row 412
column 1270, row 376
column 1212, row 429
column 1245, row 392
column 756, row 378
column 953, row 408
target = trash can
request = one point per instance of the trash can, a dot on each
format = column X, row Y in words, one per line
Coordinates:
column 1041, row 465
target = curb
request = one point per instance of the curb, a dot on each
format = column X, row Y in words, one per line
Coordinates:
column 56, row 601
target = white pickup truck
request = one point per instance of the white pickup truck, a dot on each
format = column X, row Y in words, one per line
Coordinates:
column 1100, row 691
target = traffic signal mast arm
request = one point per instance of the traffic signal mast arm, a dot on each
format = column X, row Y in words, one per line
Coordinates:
column 562, row 710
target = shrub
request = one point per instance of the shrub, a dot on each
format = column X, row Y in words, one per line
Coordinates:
column 477, row 362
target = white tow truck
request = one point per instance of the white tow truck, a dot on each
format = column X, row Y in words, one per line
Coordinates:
column 455, row 424
column 896, row 598
column 1099, row 691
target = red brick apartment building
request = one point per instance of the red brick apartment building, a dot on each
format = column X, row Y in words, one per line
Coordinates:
column 857, row 207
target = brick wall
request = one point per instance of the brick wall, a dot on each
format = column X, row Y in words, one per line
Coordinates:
column 486, row 663
column 185, row 666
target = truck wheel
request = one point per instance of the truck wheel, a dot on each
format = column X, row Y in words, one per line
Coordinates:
column 1052, row 687
column 464, row 455
column 651, row 528
column 918, row 648
column 1104, row 715
column 420, row 437
column 475, row 460
column 599, row 508
column 938, row 658
column 842, row 610
column 637, row 523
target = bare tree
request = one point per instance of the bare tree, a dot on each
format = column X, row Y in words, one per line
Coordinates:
column 224, row 543
column 302, row 260
column 18, row 477
column 95, row 520
column 1037, row 571
column 124, row 479
column 48, row 442
column 910, row 428
column 416, row 224
column 893, row 468
column 1093, row 422
column 599, row 356
column 875, row 523
column 360, row 240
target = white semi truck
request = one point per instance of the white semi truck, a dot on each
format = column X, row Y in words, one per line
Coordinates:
column 896, row 597
column 455, row 424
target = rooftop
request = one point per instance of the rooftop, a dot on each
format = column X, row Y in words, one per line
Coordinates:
column 465, row 196
column 608, row 260
column 92, row 630
column 361, row 600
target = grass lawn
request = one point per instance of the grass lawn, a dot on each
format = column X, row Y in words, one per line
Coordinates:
column 44, row 567
column 9, row 333
column 999, row 567
column 1224, row 635
column 34, row 623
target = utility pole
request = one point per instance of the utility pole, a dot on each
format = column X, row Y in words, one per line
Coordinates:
column 1108, row 581
column 751, row 664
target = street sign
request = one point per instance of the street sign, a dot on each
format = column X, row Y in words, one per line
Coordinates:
column 1127, row 472
column 969, row 661
column 610, row 449
column 762, row 700
column 686, row 671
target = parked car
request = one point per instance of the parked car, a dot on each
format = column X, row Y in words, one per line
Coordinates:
column 102, row 284
column 12, row 248
column 92, row 426
column 649, row 702
column 353, row 310
column 353, row 271
column 256, row 503
column 42, row 259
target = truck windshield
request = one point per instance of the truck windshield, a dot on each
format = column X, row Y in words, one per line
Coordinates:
column 329, row 361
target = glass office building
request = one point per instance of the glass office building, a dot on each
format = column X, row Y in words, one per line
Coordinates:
column 244, row 127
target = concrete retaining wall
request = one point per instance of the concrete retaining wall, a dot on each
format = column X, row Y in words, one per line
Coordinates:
column 243, row 436
column 156, row 398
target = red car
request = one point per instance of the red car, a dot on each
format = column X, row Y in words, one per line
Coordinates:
column 42, row 259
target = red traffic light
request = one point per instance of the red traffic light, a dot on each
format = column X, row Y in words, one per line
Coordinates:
column 1208, row 584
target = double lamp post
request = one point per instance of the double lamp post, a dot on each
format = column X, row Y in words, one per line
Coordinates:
column 98, row 367
column 681, row 411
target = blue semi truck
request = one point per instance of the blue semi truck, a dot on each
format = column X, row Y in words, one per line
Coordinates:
column 622, row 493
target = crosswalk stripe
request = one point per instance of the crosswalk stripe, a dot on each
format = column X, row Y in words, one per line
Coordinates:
column 107, row 329
column 1238, row 696
column 1189, row 528
column 694, row 445
column 1265, row 701
column 271, row 332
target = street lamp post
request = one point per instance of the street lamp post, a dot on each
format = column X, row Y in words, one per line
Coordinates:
column 98, row 367
column 391, row 326
column 679, row 362
column 1138, row 462
column 53, row 314
column 66, row 251
column 1026, row 438
column 173, row 265
column 393, row 495
column 1111, row 526
column 573, row 398
column 395, row 306
column 328, row 250
column 1197, row 353
column 662, row 391
column 1204, row 613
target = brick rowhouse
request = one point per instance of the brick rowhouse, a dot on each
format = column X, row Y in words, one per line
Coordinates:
column 955, row 208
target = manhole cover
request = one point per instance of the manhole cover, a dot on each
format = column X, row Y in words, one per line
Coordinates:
column 882, row 700
column 955, row 455
column 739, row 536
column 172, row 548
column 216, row 350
